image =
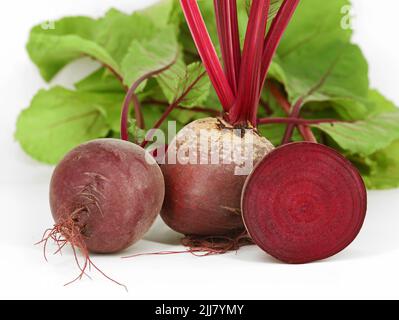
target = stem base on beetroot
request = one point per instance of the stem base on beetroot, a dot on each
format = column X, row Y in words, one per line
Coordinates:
column 304, row 202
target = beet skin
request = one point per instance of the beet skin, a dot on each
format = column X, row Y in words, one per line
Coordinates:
column 204, row 199
column 106, row 192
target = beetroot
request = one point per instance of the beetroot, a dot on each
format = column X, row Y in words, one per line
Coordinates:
column 204, row 199
column 105, row 193
column 104, row 196
column 304, row 202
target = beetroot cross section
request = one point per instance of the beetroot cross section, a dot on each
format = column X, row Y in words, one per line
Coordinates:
column 304, row 202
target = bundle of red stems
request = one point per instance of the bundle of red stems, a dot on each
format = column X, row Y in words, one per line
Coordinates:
column 240, row 81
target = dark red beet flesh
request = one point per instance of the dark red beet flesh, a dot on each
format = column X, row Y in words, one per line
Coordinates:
column 304, row 202
column 105, row 194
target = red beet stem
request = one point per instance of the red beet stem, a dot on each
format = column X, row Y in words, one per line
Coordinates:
column 296, row 111
column 240, row 85
column 132, row 96
column 304, row 202
column 229, row 37
column 248, row 97
column 208, row 53
column 277, row 29
column 169, row 110
column 197, row 109
column 296, row 121
column 283, row 102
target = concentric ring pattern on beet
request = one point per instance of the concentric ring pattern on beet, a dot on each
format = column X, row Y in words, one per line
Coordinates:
column 304, row 202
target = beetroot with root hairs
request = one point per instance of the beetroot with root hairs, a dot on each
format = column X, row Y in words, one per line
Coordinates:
column 304, row 202
column 104, row 196
column 110, row 192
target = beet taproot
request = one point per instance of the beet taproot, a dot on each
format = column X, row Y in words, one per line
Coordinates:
column 204, row 199
column 105, row 195
column 304, row 202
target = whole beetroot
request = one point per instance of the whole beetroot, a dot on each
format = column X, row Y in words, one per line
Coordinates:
column 104, row 195
column 202, row 201
column 203, row 198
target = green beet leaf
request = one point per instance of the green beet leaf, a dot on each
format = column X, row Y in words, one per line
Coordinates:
column 384, row 170
column 365, row 137
column 52, row 49
column 148, row 56
column 59, row 120
column 117, row 30
column 188, row 84
column 327, row 71
column 316, row 60
column 101, row 81
column 160, row 13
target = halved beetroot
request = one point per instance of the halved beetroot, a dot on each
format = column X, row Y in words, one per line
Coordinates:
column 304, row 202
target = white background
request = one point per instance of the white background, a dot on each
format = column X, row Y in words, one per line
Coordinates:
column 368, row 269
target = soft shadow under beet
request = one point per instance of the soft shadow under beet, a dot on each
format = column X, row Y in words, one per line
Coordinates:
column 162, row 234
